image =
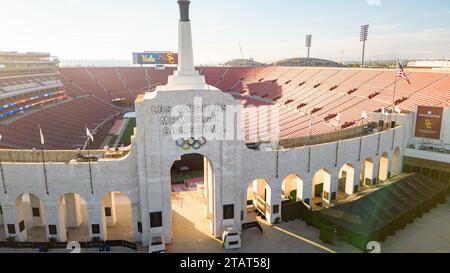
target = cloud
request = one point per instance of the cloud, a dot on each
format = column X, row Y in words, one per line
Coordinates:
column 373, row 2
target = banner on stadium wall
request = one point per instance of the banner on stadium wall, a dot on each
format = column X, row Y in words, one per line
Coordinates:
column 429, row 122
column 155, row 58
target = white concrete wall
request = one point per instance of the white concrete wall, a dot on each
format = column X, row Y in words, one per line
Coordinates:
column 144, row 174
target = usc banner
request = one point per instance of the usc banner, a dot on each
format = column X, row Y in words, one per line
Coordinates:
column 429, row 122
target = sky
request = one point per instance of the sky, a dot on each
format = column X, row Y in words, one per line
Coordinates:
column 267, row 30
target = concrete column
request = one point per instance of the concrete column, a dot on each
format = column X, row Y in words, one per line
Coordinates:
column 350, row 182
column 73, row 210
column 110, row 202
column 334, row 185
column 299, row 185
column 306, row 193
column 327, row 181
column 22, row 216
column 135, row 218
column 212, row 199
column 10, row 218
column 356, row 178
column 274, row 200
column 54, row 218
column 375, row 170
column 1, row 216
column 35, row 203
column 95, row 216
column 62, row 220
column 383, row 167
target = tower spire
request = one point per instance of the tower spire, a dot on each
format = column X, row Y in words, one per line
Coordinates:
column 185, row 77
column 184, row 10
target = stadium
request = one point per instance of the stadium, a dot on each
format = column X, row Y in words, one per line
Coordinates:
column 88, row 154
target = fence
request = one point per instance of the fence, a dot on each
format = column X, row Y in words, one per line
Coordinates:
column 63, row 245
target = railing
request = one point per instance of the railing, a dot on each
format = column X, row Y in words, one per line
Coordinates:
column 63, row 245
column 62, row 156
column 429, row 147
column 350, row 133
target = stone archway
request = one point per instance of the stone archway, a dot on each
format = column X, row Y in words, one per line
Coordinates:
column 366, row 176
column 259, row 200
column 292, row 188
column 192, row 187
column 346, row 181
column 30, row 216
column 73, row 218
column 117, row 216
column 321, row 189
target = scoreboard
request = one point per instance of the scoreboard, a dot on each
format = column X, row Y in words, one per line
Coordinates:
column 155, row 58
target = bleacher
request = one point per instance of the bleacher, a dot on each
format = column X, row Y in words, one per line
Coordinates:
column 300, row 95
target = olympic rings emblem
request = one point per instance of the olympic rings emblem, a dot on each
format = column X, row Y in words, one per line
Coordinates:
column 191, row 143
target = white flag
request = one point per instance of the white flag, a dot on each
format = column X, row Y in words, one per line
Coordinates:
column 42, row 136
column 88, row 134
column 338, row 117
column 364, row 115
column 397, row 109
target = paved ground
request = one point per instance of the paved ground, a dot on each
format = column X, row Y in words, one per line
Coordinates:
column 431, row 233
column 292, row 237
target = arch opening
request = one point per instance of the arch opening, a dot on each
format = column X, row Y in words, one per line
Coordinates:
column 192, row 183
column 366, row 176
column 292, row 188
column 321, row 189
column 346, row 182
column 73, row 218
column 258, row 201
column 30, row 218
column 117, row 216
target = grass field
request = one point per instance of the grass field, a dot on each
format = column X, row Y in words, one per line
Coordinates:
column 180, row 177
column 112, row 141
column 126, row 137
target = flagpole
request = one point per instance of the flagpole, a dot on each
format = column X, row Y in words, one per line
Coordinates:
column 360, row 140
column 337, row 143
column 278, row 158
column 393, row 107
column 89, row 160
column 43, row 160
column 309, row 142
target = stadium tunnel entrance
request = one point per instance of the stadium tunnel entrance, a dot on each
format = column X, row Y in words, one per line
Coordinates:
column 192, row 188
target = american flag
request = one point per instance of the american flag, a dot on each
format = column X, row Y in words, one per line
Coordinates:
column 401, row 73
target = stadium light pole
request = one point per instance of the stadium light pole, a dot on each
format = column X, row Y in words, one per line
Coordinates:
column 363, row 38
column 308, row 44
